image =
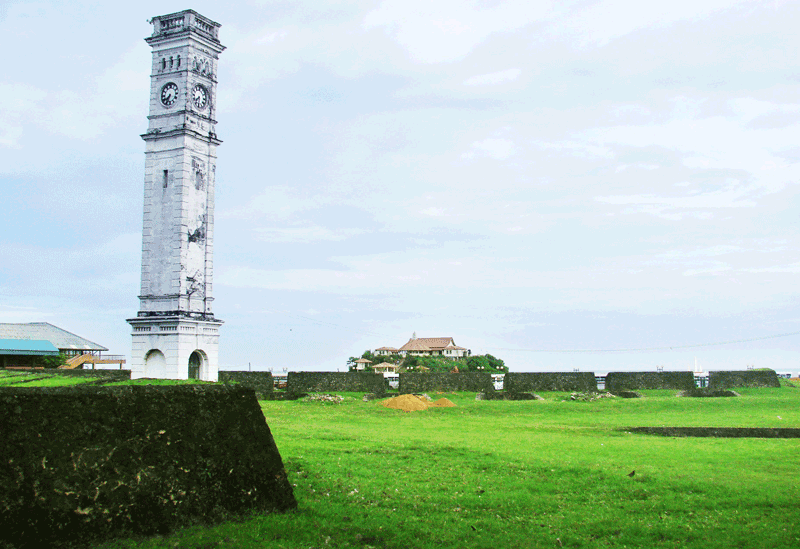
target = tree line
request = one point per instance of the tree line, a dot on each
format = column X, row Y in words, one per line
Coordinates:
column 475, row 363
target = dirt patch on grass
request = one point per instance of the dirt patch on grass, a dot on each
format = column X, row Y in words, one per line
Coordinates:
column 414, row 403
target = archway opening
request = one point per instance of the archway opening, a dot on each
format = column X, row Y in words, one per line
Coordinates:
column 155, row 364
column 195, row 361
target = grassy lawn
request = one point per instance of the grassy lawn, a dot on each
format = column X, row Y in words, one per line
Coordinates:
column 551, row 473
column 39, row 379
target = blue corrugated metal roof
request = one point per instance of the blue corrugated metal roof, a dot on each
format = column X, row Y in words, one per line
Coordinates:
column 62, row 339
column 27, row 347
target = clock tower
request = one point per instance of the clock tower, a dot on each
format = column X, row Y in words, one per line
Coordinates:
column 175, row 334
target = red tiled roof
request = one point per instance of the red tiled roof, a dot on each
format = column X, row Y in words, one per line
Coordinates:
column 428, row 344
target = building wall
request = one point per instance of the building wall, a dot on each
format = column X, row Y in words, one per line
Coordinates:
column 177, row 341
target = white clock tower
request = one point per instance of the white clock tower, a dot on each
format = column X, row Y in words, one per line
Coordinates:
column 175, row 334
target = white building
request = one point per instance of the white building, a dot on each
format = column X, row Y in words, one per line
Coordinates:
column 433, row 346
column 175, row 334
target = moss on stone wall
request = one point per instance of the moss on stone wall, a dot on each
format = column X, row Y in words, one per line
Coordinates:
column 635, row 381
column 84, row 463
column 528, row 382
column 745, row 378
column 419, row 382
column 321, row 382
column 261, row 382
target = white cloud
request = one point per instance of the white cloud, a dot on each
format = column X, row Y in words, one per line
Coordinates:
column 792, row 268
column 433, row 211
column 711, row 271
column 603, row 21
column 493, row 78
column 304, row 235
column 436, row 32
column 77, row 114
column 734, row 195
column 499, row 149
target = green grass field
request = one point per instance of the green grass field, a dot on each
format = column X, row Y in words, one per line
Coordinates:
column 550, row 473
column 39, row 379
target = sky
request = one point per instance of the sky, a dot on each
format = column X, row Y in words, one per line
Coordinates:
column 529, row 178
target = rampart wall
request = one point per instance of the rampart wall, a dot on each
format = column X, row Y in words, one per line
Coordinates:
column 745, row 378
column 420, row 382
column 87, row 463
column 528, row 382
column 635, row 381
column 322, row 382
column 261, row 382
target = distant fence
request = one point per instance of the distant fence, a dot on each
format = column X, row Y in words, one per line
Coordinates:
column 634, row 381
column 261, row 382
column 524, row 382
column 319, row 382
column 418, row 382
column 746, row 378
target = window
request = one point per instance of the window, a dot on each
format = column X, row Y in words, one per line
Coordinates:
column 166, row 178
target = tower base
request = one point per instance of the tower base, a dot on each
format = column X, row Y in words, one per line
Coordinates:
column 175, row 348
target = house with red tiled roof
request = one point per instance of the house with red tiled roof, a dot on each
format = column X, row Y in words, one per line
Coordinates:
column 433, row 346
column 386, row 351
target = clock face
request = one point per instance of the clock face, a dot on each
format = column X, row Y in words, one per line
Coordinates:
column 169, row 94
column 200, row 97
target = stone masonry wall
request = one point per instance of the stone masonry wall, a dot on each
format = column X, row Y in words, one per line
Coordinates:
column 320, row 382
column 261, row 382
column 527, row 382
column 419, row 382
column 634, row 381
column 746, row 378
column 80, row 464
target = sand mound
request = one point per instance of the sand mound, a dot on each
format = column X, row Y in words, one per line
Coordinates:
column 413, row 403
column 407, row 403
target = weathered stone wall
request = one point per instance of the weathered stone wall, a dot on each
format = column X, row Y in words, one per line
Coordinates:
column 261, row 382
column 419, row 382
column 746, row 378
column 727, row 432
column 635, row 381
column 86, row 463
column 320, row 382
column 528, row 382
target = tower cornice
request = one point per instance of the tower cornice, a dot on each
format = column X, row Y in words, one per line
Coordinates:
column 210, row 138
column 183, row 24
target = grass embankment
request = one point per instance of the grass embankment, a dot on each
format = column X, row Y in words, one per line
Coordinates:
column 39, row 379
column 550, row 473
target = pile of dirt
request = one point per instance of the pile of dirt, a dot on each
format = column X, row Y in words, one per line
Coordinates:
column 414, row 403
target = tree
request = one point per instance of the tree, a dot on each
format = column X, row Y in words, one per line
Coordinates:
column 485, row 363
column 351, row 362
column 49, row 361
